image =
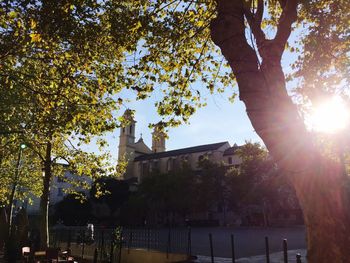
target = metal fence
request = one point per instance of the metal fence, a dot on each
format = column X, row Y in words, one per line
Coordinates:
column 106, row 244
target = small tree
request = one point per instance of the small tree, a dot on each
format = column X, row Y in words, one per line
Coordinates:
column 72, row 210
column 112, row 192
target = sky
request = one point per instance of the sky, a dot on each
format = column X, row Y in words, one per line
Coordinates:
column 219, row 121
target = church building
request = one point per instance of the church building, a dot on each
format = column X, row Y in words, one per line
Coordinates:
column 142, row 160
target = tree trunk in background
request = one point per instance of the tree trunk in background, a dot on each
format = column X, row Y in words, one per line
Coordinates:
column 45, row 199
column 319, row 182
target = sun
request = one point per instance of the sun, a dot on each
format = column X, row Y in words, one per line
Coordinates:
column 330, row 116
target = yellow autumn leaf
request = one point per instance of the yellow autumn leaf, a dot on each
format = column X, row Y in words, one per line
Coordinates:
column 32, row 24
column 35, row 37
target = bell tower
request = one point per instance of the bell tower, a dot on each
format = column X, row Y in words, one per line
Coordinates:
column 158, row 140
column 127, row 136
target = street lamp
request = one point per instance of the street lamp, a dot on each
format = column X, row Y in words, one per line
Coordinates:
column 14, row 187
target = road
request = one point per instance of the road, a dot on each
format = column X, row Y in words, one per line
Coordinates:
column 248, row 241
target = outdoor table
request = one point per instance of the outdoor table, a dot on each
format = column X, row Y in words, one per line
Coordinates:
column 39, row 255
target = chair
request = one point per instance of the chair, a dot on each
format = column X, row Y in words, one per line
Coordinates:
column 25, row 254
column 66, row 256
column 52, row 255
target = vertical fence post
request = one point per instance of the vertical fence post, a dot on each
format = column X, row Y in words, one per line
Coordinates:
column 102, row 245
column 168, row 249
column 120, row 247
column 211, row 247
column 95, row 255
column 267, row 250
column 83, row 244
column 54, row 237
column 111, row 249
column 298, row 258
column 148, row 238
column 285, row 251
column 130, row 241
column 233, row 248
column 69, row 240
column 189, row 242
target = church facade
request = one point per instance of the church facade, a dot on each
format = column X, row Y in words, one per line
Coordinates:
column 142, row 160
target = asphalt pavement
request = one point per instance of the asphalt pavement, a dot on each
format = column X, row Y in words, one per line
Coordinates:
column 249, row 241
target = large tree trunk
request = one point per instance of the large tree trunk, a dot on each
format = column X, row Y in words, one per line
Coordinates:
column 45, row 199
column 319, row 182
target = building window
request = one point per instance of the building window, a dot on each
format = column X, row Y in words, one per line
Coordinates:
column 230, row 160
column 130, row 129
column 155, row 166
column 200, row 158
column 59, row 192
column 169, row 166
column 123, row 129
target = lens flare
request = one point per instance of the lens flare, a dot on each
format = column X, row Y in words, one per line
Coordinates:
column 329, row 117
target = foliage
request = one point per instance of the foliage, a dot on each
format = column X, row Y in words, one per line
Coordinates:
column 169, row 193
column 210, row 188
column 29, row 170
column 257, row 180
column 63, row 64
column 72, row 211
column 110, row 191
column 323, row 66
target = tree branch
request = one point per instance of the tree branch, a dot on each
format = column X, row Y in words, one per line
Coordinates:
column 259, row 12
column 254, row 21
column 288, row 17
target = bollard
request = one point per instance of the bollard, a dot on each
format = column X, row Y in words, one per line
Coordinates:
column 233, row 248
column 211, row 248
column 267, row 250
column 285, row 251
column 298, row 258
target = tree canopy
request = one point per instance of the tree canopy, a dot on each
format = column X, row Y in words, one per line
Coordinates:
column 64, row 63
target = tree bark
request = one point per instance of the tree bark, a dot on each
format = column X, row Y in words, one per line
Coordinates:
column 321, row 188
column 45, row 199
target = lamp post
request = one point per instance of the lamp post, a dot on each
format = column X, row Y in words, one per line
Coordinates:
column 14, row 187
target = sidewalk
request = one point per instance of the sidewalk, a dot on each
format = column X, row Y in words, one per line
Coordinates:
column 274, row 258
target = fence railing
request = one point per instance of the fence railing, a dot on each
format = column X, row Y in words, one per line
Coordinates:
column 105, row 244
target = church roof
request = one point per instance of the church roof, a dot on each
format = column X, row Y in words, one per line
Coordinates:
column 141, row 147
column 232, row 150
column 183, row 151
